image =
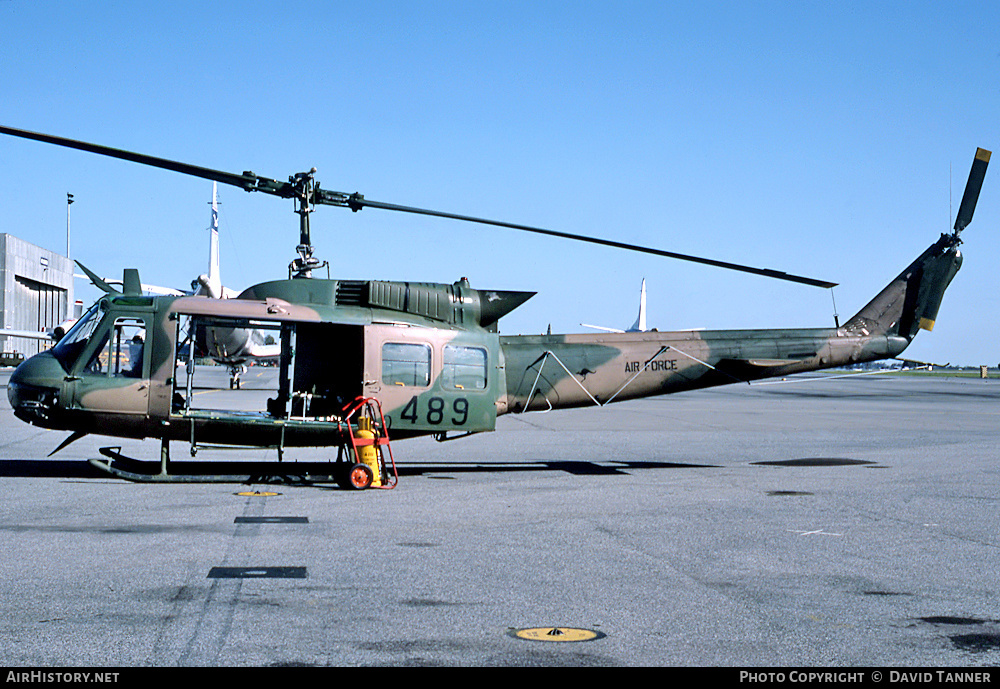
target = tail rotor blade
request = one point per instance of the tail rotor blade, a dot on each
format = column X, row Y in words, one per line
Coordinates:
column 972, row 189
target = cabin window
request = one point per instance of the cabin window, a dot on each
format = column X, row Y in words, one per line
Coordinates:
column 406, row 364
column 464, row 368
column 122, row 355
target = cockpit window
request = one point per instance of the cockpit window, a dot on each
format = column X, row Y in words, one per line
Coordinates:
column 122, row 353
column 75, row 341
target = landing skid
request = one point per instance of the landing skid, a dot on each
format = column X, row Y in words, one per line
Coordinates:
column 139, row 471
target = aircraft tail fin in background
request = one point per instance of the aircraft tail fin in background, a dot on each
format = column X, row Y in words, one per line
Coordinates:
column 210, row 284
column 640, row 322
column 214, row 273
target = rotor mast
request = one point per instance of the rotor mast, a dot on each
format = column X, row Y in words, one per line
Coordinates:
column 304, row 187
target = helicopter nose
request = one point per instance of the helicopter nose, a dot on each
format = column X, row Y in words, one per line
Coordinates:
column 33, row 388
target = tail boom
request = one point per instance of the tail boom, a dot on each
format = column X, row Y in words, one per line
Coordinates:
column 560, row 371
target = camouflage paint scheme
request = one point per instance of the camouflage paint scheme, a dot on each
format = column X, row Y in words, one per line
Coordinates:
column 429, row 353
column 341, row 328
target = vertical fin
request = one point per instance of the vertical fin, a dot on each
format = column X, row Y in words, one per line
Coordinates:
column 911, row 301
column 640, row 321
column 210, row 283
column 131, row 285
column 214, row 272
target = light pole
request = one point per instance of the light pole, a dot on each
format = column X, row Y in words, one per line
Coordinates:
column 69, row 292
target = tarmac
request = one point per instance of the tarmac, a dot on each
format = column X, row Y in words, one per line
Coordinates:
column 847, row 522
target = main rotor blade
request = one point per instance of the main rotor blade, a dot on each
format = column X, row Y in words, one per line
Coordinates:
column 356, row 202
column 251, row 182
column 972, row 189
column 248, row 180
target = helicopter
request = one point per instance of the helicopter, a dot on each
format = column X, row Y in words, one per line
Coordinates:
column 363, row 361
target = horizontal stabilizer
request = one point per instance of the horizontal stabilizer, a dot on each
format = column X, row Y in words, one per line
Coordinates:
column 601, row 327
column 770, row 363
column 745, row 370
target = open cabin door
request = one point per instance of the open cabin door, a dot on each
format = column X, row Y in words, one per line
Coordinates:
column 322, row 367
column 310, row 372
column 427, row 380
column 296, row 373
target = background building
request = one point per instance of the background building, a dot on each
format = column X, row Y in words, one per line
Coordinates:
column 37, row 293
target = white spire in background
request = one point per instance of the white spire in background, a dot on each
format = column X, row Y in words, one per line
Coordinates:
column 214, row 273
column 640, row 322
column 211, row 284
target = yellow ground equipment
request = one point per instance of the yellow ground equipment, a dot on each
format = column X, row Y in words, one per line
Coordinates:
column 366, row 466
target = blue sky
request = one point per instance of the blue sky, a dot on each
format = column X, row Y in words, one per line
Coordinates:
column 826, row 139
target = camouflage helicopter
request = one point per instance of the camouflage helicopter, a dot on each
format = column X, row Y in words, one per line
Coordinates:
column 365, row 361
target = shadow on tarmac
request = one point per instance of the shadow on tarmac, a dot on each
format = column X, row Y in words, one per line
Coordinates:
column 49, row 468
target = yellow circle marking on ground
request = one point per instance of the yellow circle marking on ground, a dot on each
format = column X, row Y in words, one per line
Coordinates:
column 257, row 494
column 557, row 634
